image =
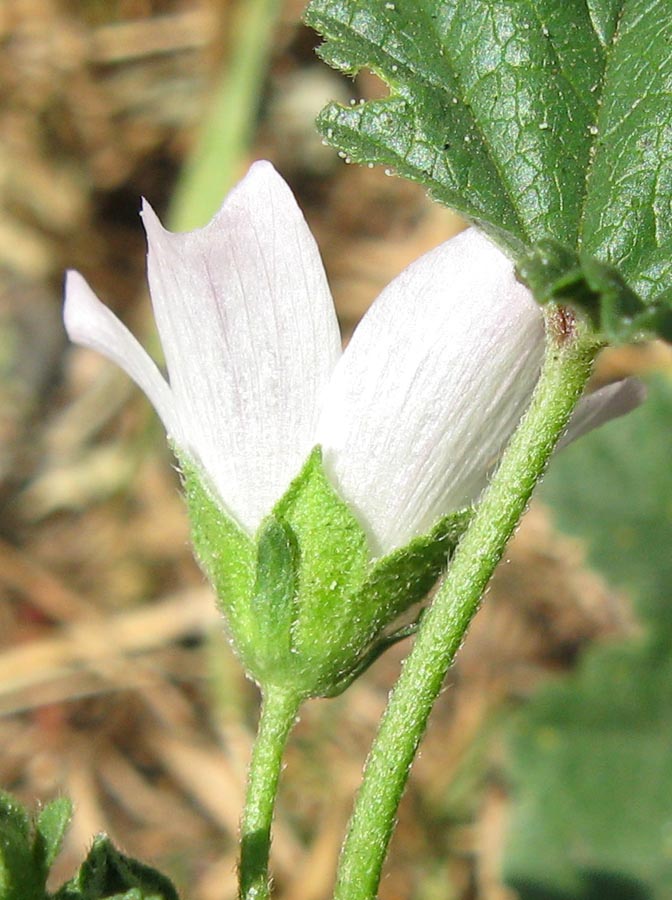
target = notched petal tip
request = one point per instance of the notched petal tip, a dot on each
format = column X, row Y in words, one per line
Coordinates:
column 258, row 186
column 260, row 189
column 148, row 215
column 157, row 235
column 249, row 335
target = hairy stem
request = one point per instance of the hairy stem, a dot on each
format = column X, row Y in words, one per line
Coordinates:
column 566, row 369
column 278, row 713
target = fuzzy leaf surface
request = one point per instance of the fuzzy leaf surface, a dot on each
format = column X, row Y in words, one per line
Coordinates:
column 51, row 825
column 20, row 879
column 535, row 120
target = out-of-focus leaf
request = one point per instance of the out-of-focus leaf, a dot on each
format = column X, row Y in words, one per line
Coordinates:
column 613, row 489
column 590, row 760
column 592, row 773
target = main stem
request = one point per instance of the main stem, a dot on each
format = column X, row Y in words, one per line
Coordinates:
column 566, row 369
column 278, row 713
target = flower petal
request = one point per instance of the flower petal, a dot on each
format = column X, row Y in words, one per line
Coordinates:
column 91, row 324
column 250, row 337
column 430, row 388
column 607, row 403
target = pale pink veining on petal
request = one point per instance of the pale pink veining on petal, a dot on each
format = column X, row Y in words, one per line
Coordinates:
column 431, row 387
column 412, row 417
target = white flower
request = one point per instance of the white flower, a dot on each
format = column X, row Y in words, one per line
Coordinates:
column 412, row 417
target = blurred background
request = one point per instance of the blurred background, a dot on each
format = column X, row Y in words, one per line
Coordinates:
column 546, row 769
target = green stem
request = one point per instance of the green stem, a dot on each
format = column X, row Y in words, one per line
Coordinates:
column 225, row 134
column 278, row 713
column 566, row 369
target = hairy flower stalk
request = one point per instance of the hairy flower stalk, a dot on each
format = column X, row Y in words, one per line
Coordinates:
column 313, row 552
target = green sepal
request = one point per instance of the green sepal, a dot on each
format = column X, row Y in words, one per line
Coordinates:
column 334, row 556
column 345, row 598
column 306, row 603
column 556, row 273
column 397, row 582
column 374, row 652
column 321, row 553
column 276, row 591
column 107, row 874
column 402, row 578
column 227, row 554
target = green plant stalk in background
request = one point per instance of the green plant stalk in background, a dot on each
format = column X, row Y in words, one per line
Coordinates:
column 566, row 369
column 228, row 124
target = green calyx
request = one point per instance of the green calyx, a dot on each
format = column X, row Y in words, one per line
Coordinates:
column 305, row 602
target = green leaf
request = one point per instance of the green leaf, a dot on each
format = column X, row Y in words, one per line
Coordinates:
column 627, row 219
column 29, row 848
column 613, row 489
column 13, row 817
column 51, row 825
column 107, row 874
column 535, row 120
column 21, row 877
column 617, row 313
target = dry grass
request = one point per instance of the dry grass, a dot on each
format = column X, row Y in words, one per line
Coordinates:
column 115, row 684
